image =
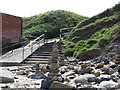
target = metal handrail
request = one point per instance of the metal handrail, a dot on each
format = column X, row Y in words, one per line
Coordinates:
column 14, row 45
column 64, row 29
column 32, row 46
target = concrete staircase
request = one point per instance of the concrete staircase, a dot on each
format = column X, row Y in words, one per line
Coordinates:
column 41, row 55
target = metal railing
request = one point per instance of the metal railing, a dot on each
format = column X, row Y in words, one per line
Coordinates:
column 25, row 50
column 64, row 31
column 33, row 45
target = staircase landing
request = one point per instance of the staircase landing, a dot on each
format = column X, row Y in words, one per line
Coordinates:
column 16, row 57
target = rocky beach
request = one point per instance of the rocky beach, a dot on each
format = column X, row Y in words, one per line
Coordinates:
column 85, row 74
column 95, row 74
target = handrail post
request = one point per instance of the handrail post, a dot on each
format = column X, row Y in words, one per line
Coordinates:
column 31, row 48
column 63, row 29
column 23, row 53
column 39, row 42
column 44, row 38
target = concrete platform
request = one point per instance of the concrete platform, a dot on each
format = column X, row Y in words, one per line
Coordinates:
column 17, row 56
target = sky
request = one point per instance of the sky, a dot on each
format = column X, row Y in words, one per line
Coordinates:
column 26, row 8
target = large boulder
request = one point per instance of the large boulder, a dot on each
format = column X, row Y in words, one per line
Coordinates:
column 84, row 79
column 91, row 77
column 108, row 84
column 81, row 79
column 58, row 85
column 89, row 54
column 6, row 76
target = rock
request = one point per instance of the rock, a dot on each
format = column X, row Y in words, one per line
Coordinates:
column 108, row 84
column 119, row 69
column 113, row 66
column 37, row 76
column 45, row 84
column 63, row 69
column 84, row 79
column 106, row 62
column 90, row 77
column 54, row 65
column 105, row 77
column 115, row 78
column 71, row 77
column 60, row 79
column 119, row 83
column 84, row 66
column 81, row 79
column 117, row 59
column 71, row 59
column 103, row 42
column 58, row 85
column 90, row 54
column 21, row 72
column 68, row 73
column 77, row 69
column 109, row 71
column 66, row 79
column 71, row 67
column 96, row 73
column 84, row 70
column 6, row 76
column 101, row 65
column 88, row 87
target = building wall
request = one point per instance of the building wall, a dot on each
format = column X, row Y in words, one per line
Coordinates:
column 0, row 34
column 11, row 27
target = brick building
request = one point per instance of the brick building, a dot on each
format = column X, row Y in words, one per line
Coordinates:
column 10, row 29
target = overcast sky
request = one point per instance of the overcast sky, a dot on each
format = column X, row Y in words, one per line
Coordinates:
column 24, row 8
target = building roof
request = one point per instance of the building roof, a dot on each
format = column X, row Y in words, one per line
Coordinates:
column 10, row 15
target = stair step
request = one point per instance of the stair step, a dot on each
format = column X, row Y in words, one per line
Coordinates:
column 34, row 62
column 42, row 54
column 37, row 59
column 39, row 56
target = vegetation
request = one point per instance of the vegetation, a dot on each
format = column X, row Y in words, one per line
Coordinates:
column 100, row 35
column 51, row 22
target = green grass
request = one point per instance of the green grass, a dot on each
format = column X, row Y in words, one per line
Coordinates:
column 115, row 16
column 106, row 35
column 51, row 21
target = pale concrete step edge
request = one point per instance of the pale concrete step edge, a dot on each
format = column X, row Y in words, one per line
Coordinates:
column 36, row 52
column 39, row 56
column 37, row 59
column 9, row 64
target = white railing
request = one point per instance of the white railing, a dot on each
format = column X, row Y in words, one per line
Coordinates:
column 64, row 31
column 18, row 55
column 33, row 46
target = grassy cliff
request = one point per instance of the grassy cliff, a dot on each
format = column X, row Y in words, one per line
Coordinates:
column 94, row 33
